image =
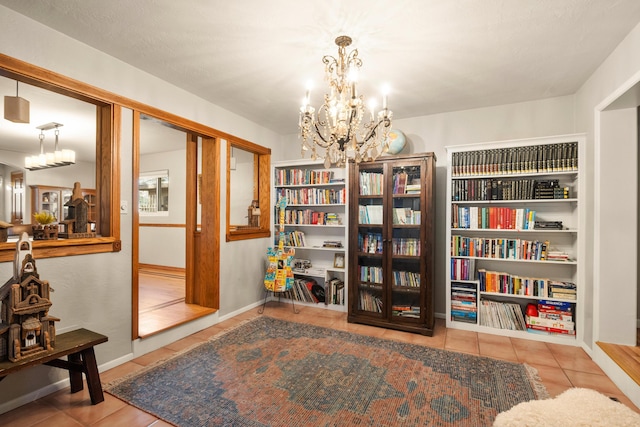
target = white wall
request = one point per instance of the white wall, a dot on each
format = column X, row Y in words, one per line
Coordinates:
column 545, row 117
column 173, row 252
column 94, row 291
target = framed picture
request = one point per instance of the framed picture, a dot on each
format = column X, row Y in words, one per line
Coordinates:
column 338, row 261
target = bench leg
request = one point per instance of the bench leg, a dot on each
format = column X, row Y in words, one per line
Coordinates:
column 90, row 368
column 75, row 376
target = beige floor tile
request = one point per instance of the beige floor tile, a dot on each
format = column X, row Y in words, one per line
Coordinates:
column 28, row 415
column 533, row 352
column 184, row 343
column 119, row 371
column 59, row 419
column 597, row 382
column 462, row 341
column 154, row 356
column 78, row 405
column 497, row 350
column 127, row 416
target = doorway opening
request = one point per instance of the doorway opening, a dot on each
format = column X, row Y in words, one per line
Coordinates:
column 166, row 230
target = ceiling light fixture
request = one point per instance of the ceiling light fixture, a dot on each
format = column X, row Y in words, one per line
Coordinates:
column 16, row 109
column 340, row 125
column 53, row 159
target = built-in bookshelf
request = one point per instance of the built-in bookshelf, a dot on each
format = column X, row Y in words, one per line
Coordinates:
column 513, row 233
column 391, row 249
column 315, row 226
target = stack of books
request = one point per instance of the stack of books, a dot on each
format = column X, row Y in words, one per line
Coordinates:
column 554, row 317
column 562, row 290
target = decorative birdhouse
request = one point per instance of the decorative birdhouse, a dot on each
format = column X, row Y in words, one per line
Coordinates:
column 26, row 328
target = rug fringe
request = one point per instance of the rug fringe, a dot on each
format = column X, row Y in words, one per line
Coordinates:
column 536, row 382
column 111, row 384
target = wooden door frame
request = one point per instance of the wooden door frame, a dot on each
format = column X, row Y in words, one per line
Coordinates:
column 202, row 284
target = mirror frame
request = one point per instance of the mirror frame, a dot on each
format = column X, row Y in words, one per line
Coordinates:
column 108, row 126
column 261, row 189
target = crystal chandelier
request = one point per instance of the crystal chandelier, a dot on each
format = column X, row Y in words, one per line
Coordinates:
column 53, row 159
column 341, row 126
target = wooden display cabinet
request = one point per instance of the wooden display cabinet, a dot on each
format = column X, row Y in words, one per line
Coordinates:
column 391, row 245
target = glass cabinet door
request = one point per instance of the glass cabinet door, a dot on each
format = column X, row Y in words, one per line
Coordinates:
column 370, row 247
column 406, row 242
column 50, row 202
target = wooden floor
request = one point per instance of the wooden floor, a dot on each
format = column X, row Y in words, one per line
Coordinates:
column 560, row 367
column 627, row 357
column 161, row 303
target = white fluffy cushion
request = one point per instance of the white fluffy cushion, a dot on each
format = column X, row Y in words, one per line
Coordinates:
column 575, row 407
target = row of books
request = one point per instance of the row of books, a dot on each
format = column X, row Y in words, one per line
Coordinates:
column 505, row 283
column 464, row 302
column 370, row 214
column 402, row 216
column 370, row 302
column 373, row 214
column 492, row 218
column 303, row 176
column 370, row 243
column 553, row 318
column 406, row 278
column 371, row 183
column 309, row 216
column 370, row 274
column 405, row 311
column 485, row 189
column 408, row 246
column 293, row 238
column 404, row 183
column 302, row 291
column 500, row 248
column 529, row 159
column 335, row 291
column 502, row 315
column 463, row 269
column 313, row 196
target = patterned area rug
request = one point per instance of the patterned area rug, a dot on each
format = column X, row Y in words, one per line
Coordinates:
column 270, row 372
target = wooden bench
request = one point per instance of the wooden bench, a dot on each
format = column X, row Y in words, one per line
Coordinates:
column 78, row 347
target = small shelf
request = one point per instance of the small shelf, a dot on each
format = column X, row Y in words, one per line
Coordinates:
column 317, row 248
column 313, row 225
column 330, row 184
column 510, row 230
column 293, row 205
column 532, row 261
column 502, row 294
column 513, row 202
column 517, row 175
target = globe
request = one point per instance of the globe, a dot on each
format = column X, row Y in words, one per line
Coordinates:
column 397, row 141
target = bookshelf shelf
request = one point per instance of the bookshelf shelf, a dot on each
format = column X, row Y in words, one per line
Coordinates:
column 316, row 213
column 391, row 257
column 529, row 261
column 531, row 188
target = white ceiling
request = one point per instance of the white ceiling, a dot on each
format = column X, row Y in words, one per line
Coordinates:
column 255, row 57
